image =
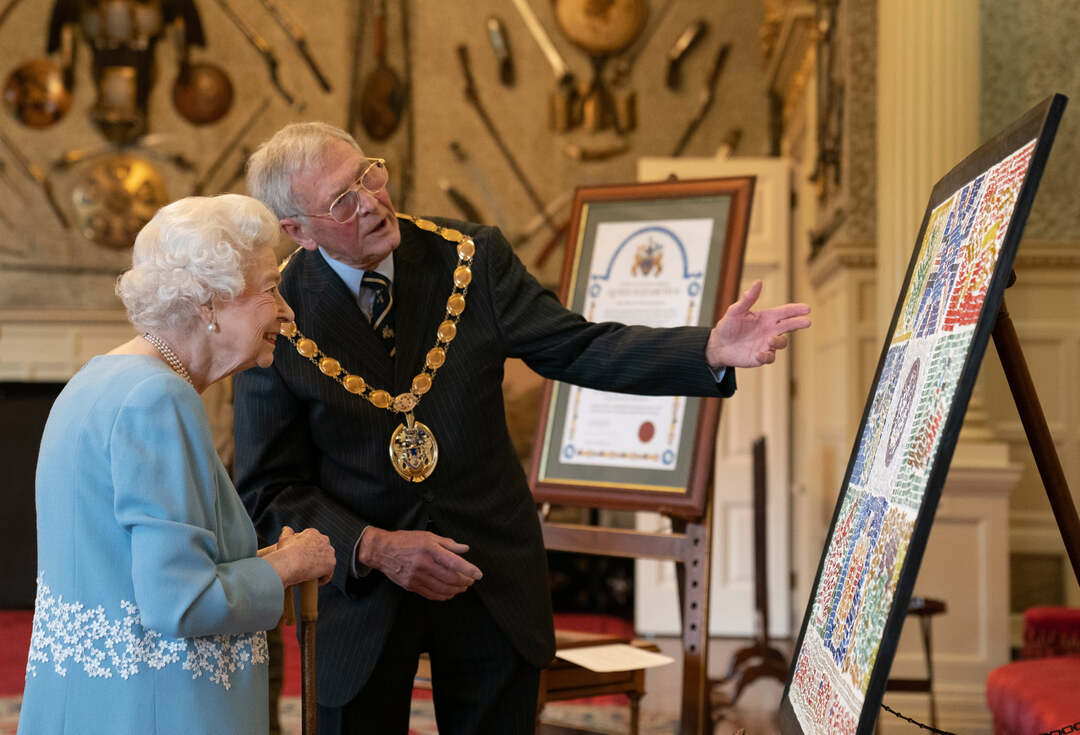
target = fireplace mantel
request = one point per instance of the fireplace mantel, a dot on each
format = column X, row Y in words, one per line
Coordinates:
column 50, row 345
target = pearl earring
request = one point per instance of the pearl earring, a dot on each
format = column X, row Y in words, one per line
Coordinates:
column 212, row 327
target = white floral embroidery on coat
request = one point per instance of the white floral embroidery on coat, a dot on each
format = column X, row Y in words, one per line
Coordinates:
column 68, row 631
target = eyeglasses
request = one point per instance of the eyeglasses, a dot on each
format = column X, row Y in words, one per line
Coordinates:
column 372, row 180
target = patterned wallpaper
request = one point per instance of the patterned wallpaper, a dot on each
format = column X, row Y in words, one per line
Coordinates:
column 1030, row 49
column 860, row 109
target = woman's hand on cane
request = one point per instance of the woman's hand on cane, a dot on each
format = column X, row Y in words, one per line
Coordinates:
column 298, row 557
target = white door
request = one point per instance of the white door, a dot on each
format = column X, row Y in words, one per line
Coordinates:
column 760, row 407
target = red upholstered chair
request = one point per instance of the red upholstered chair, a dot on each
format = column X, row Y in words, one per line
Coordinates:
column 1051, row 631
column 1041, row 692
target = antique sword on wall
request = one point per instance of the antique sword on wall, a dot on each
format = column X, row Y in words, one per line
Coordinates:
column 299, row 39
column 473, row 98
column 704, row 101
column 262, row 47
column 200, row 186
column 562, row 101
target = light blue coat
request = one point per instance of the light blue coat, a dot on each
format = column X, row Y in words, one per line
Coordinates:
column 150, row 602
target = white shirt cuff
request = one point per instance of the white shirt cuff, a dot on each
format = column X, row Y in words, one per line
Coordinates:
column 356, row 569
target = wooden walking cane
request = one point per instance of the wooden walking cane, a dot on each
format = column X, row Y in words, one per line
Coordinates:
column 309, row 617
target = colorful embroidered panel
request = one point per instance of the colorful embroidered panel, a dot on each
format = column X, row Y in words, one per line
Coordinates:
column 940, row 328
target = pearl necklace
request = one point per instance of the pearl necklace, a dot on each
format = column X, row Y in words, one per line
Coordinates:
column 168, row 355
column 413, row 450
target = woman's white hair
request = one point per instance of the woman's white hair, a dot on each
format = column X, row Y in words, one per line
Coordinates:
column 291, row 150
column 190, row 252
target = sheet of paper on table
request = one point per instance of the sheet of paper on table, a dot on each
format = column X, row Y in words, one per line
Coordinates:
column 613, row 657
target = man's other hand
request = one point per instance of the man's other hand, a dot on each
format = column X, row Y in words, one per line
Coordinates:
column 422, row 562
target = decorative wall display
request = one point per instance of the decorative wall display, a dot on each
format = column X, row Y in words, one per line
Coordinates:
column 122, row 37
column 116, row 198
column 189, row 116
column 661, row 255
column 954, row 288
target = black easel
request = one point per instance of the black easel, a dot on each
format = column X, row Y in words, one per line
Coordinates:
column 758, row 660
column 1038, row 433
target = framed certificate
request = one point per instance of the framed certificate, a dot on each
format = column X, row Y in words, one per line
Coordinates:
column 660, row 255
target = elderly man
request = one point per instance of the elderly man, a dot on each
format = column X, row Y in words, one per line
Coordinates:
column 440, row 549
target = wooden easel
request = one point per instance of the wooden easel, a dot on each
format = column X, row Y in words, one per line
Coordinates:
column 759, row 659
column 690, row 543
column 1038, row 433
column 690, row 547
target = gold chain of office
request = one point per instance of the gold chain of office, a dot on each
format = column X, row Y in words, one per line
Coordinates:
column 413, row 450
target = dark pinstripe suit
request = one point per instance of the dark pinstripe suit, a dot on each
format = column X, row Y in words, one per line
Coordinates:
column 310, row 454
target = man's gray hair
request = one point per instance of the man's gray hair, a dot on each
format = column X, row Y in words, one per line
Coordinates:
column 291, row 150
column 191, row 251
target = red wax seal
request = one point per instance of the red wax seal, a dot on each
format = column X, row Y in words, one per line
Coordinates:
column 646, row 432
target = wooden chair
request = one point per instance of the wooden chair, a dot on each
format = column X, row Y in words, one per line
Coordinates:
column 562, row 680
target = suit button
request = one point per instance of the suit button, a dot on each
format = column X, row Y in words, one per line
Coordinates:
column 429, row 496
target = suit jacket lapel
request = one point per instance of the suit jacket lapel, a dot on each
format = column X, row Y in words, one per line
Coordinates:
column 421, row 288
column 333, row 315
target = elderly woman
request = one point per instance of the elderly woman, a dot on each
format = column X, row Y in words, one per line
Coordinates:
column 151, row 594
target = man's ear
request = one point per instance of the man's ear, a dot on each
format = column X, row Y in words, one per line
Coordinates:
column 295, row 230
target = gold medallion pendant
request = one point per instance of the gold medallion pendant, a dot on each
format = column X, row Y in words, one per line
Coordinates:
column 413, row 450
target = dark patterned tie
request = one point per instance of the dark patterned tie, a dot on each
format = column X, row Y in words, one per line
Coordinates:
column 382, row 308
